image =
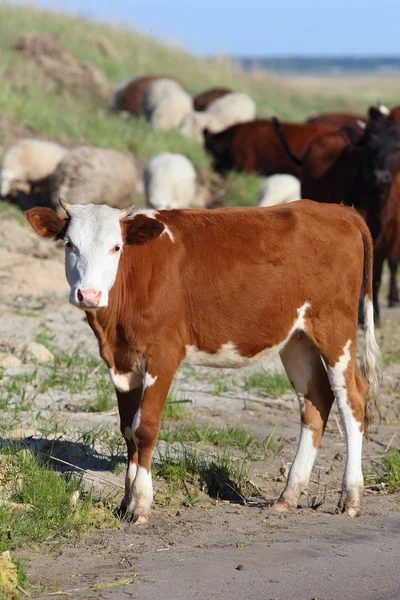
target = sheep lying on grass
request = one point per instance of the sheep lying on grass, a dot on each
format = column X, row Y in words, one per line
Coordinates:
column 95, row 175
column 171, row 182
column 222, row 113
column 279, row 189
column 28, row 162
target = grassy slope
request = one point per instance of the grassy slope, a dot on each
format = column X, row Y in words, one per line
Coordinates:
column 31, row 100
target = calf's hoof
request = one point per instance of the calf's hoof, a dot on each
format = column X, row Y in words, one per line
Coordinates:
column 350, row 503
column 282, row 506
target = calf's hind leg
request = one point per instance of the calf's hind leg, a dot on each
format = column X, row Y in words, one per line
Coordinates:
column 351, row 392
column 308, row 376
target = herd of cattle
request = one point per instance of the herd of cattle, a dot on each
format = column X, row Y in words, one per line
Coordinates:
column 354, row 159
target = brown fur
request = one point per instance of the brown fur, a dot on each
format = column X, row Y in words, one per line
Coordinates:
column 132, row 97
column 338, row 120
column 233, row 275
column 255, row 147
column 203, row 100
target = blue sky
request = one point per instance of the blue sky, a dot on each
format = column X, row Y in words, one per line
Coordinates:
column 256, row 27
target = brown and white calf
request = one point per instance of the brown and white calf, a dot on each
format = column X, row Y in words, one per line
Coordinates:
column 225, row 288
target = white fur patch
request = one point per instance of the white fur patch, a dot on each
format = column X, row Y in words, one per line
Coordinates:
column 228, row 356
column 304, row 460
column 128, row 433
column 130, row 475
column 125, row 382
column 7, row 177
column 142, row 491
column 353, row 476
column 91, row 263
column 148, row 381
column 136, row 420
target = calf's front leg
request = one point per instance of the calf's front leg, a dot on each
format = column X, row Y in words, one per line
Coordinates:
column 140, row 412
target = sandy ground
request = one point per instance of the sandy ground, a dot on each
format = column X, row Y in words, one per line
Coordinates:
column 227, row 550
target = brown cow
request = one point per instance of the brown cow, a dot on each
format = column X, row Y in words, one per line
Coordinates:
column 130, row 95
column 203, row 100
column 261, row 146
column 387, row 246
column 339, row 120
column 395, row 114
column 338, row 167
column 280, row 280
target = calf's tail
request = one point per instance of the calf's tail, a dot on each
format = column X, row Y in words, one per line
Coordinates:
column 370, row 363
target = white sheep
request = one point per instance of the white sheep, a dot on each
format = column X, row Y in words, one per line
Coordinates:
column 170, row 181
column 171, row 111
column 222, row 113
column 94, row 175
column 157, row 91
column 28, row 162
column 279, row 189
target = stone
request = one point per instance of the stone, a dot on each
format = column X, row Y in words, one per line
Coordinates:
column 9, row 361
column 38, row 353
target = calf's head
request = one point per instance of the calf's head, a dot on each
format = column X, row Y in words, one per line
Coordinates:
column 94, row 237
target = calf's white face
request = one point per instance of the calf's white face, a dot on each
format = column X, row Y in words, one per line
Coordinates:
column 93, row 245
column 94, row 236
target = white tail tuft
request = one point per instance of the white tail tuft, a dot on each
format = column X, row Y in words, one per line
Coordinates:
column 370, row 364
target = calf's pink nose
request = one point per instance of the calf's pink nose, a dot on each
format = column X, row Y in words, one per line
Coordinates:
column 89, row 298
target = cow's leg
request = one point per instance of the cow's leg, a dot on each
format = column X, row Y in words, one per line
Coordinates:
column 350, row 391
column 128, row 406
column 307, row 374
column 145, row 427
column 393, row 298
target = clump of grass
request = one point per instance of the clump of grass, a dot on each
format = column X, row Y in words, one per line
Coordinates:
column 104, row 396
column 44, row 500
column 174, row 411
column 70, row 372
column 391, row 357
column 220, row 476
column 19, row 391
column 274, row 384
column 388, row 471
column 45, row 337
column 222, row 383
column 244, row 189
column 236, row 437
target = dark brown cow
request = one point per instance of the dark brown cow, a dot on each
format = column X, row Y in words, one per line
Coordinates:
column 203, row 100
column 387, row 246
column 256, row 146
column 338, row 167
column 130, row 97
column 339, row 120
column 280, row 280
column 395, row 114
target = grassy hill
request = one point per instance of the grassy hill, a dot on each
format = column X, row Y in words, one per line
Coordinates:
column 29, row 101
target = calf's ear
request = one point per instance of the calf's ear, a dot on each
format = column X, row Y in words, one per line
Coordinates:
column 142, row 229
column 46, row 223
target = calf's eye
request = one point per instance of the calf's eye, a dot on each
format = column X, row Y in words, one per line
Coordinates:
column 116, row 248
column 68, row 245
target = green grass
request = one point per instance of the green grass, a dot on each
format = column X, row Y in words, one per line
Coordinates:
column 175, row 411
column 273, row 384
column 221, row 477
column 244, row 189
column 104, row 398
column 234, row 437
column 45, row 337
column 388, row 471
column 389, row 358
column 43, row 500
